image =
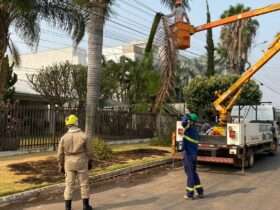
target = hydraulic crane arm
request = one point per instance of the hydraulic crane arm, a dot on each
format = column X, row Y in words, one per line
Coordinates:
column 241, row 16
column 224, row 103
column 182, row 31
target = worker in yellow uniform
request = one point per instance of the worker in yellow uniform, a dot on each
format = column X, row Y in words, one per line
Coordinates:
column 179, row 12
column 75, row 160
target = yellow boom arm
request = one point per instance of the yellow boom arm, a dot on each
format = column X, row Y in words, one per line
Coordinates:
column 241, row 16
column 224, row 103
column 182, row 31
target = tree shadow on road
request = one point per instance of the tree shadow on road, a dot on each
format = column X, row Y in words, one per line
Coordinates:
column 131, row 203
column 224, row 193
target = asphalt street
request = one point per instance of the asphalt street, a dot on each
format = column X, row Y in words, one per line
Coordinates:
column 163, row 189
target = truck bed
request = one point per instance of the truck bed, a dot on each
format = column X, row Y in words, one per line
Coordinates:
column 213, row 140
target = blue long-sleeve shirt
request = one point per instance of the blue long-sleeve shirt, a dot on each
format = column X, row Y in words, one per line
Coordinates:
column 191, row 138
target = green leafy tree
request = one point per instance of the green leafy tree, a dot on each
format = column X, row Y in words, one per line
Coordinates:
column 79, row 78
column 186, row 70
column 144, row 81
column 236, row 40
column 200, row 93
column 11, row 78
column 129, row 82
column 61, row 83
column 25, row 16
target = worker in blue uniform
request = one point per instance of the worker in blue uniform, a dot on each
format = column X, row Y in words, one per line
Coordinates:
column 190, row 150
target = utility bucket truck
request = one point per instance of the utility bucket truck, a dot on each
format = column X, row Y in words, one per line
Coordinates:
column 234, row 142
column 254, row 129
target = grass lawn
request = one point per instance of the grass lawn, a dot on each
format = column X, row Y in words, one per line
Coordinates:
column 25, row 172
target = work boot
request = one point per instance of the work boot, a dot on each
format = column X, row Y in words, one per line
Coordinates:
column 200, row 196
column 68, row 205
column 188, row 198
column 86, row 204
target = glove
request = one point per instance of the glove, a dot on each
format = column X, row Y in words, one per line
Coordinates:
column 89, row 164
column 185, row 121
column 61, row 169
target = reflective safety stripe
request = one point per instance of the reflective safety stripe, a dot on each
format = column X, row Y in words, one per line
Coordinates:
column 190, row 139
column 189, row 189
column 198, row 186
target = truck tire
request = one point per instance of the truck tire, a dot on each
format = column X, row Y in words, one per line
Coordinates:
column 274, row 148
column 250, row 160
column 238, row 163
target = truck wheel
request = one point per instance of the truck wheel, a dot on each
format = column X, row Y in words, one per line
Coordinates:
column 238, row 163
column 274, row 149
column 251, row 160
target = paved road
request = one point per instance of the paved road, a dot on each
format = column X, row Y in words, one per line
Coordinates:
column 226, row 189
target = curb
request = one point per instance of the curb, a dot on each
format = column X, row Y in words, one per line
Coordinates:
column 56, row 189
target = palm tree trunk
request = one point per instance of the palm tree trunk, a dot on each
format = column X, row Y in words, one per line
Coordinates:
column 3, row 49
column 95, row 42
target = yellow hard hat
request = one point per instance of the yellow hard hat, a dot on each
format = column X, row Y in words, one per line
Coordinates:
column 71, row 120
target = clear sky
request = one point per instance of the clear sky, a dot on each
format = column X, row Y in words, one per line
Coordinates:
column 131, row 21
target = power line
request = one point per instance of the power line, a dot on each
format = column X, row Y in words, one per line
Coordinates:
column 133, row 23
column 268, row 87
column 127, row 27
column 115, row 22
column 106, row 36
column 135, row 15
column 145, row 6
column 193, row 53
column 138, row 8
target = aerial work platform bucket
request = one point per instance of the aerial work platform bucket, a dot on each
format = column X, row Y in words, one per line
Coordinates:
column 182, row 34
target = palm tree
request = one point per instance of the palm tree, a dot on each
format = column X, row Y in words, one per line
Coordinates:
column 236, row 40
column 98, row 11
column 167, row 54
column 25, row 16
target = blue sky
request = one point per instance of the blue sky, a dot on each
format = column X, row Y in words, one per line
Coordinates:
column 132, row 22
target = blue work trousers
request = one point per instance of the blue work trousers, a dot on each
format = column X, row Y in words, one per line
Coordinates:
column 193, row 181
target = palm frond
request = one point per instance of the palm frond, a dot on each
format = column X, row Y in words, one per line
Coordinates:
column 27, row 27
column 65, row 15
column 167, row 64
column 14, row 53
column 153, row 32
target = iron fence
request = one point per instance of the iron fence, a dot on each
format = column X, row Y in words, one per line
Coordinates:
column 31, row 127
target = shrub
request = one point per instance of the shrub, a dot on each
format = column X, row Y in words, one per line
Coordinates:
column 101, row 150
column 163, row 142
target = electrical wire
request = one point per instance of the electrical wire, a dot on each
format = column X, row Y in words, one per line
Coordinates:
column 138, row 8
column 145, row 6
column 267, row 86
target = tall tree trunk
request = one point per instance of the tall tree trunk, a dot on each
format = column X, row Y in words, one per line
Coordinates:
column 95, row 42
column 3, row 71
